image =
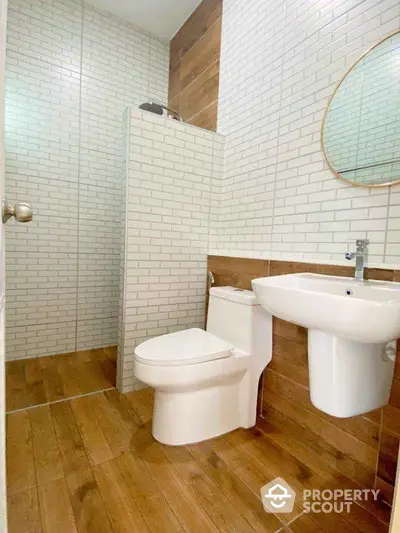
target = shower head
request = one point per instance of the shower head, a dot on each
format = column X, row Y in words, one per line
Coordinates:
column 152, row 107
column 158, row 109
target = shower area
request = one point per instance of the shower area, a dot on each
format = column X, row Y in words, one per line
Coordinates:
column 72, row 70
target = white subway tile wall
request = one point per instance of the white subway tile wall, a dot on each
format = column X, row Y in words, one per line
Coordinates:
column 169, row 170
column 71, row 72
column 280, row 62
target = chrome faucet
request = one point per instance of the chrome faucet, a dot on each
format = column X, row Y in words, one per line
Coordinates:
column 360, row 256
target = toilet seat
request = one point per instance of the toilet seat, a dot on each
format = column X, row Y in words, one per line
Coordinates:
column 185, row 347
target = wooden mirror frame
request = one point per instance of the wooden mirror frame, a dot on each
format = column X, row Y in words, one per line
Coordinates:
column 337, row 174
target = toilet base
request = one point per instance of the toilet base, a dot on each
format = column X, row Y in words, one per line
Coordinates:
column 186, row 417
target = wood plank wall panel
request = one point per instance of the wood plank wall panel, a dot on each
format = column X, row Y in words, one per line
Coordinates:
column 194, row 66
column 364, row 448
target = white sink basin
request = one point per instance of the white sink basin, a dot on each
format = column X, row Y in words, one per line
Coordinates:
column 350, row 325
column 366, row 311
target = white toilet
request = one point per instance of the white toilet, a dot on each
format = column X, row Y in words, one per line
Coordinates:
column 206, row 382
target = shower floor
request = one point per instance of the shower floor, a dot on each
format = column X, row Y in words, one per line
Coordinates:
column 91, row 465
column 41, row 380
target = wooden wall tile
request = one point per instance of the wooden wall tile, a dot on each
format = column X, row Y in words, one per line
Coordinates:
column 207, row 118
column 279, row 268
column 201, row 56
column 174, row 86
column 236, row 271
column 194, row 60
column 195, row 27
column 290, row 371
column 335, row 270
column 289, row 331
column 286, row 348
column 256, row 267
column 202, row 91
column 380, row 274
column 174, row 103
column 175, row 51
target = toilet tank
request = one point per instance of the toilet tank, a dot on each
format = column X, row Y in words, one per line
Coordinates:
column 231, row 314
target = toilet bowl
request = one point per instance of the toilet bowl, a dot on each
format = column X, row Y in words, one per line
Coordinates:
column 206, row 382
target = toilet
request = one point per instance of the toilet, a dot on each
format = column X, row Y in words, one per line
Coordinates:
column 206, row 382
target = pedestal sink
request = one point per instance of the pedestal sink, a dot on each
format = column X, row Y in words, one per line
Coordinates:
column 352, row 328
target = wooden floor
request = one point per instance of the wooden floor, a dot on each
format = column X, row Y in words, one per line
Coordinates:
column 41, row 380
column 91, row 465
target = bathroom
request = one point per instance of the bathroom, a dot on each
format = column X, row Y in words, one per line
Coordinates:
column 142, row 225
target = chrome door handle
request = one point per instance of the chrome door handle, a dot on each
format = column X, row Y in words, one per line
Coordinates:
column 22, row 211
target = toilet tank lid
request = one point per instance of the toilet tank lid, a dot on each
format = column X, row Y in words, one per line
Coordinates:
column 241, row 296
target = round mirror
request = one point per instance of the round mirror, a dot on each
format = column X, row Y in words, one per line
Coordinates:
column 361, row 126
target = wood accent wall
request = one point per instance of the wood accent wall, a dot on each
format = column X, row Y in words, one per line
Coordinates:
column 362, row 448
column 194, row 66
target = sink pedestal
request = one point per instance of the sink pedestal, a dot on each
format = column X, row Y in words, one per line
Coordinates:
column 349, row 378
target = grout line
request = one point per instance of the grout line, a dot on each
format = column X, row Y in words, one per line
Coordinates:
column 72, row 354
column 269, row 242
column 196, row 78
column 291, row 522
column 78, row 182
column 60, row 401
column 198, row 40
column 379, row 448
column 197, row 114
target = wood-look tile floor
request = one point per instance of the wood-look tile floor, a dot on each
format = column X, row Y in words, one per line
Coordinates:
column 41, row 380
column 91, row 465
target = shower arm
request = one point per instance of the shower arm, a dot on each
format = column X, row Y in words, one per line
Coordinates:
column 171, row 111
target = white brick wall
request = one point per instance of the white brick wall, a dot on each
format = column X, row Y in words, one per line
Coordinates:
column 71, row 71
column 169, row 169
column 280, row 62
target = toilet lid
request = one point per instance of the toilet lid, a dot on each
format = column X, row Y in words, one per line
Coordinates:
column 183, row 348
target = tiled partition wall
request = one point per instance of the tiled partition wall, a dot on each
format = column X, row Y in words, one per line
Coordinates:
column 71, row 72
column 362, row 449
column 280, row 62
column 169, row 167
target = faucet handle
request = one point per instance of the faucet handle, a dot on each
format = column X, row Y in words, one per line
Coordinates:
column 362, row 244
column 349, row 255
